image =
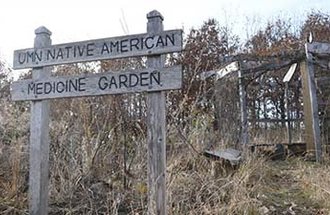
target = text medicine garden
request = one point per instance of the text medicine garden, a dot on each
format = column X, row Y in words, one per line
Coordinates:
column 98, row 84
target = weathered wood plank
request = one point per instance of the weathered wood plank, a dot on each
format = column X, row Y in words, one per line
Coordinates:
column 282, row 55
column 156, row 137
column 39, row 138
column 311, row 118
column 290, row 73
column 243, row 107
column 146, row 80
column 276, row 120
column 248, row 69
column 287, row 106
column 232, row 155
column 286, row 80
column 221, row 73
column 100, row 49
column 318, row 48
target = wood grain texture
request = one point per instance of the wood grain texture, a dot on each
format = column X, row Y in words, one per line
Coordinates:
column 311, row 118
column 38, row 89
column 319, row 48
column 287, row 106
column 290, row 73
column 243, row 108
column 145, row 80
column 152, row 43
column 39, row 138
column 156, row 137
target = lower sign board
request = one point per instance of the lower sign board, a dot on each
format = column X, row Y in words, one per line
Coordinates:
column 145, row 80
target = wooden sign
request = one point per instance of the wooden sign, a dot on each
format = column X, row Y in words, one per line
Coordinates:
column 154, row 80
column 146, row 80
column 100, row 49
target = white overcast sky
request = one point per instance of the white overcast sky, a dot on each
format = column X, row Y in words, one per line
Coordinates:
column 77, row 20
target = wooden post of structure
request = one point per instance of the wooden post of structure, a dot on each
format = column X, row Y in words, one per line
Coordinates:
column 156, row 136
column 311, row 117
column 243, row 108
column 288, row 117
column 39, row 138
column 286, row 80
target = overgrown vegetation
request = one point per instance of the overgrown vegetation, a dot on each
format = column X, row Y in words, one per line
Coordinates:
column 98, row 154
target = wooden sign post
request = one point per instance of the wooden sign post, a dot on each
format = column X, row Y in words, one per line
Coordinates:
column 154, row 80
column 39, row 137
column 156, row 137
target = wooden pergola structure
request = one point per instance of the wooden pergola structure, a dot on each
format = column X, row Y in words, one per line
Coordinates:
column 315, row 89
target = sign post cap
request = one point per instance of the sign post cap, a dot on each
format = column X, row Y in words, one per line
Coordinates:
column 155, row 14
column 42, row 30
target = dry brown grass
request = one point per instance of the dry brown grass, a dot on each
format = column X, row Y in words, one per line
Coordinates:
column 257, row 186
column 193, row 189
column 315, row 179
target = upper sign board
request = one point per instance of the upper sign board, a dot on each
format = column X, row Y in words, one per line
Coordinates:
column 100, row 49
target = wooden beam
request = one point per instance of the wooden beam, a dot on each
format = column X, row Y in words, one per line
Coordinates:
column 269, row 66
column 276, row 120
column 295, row 55
column 287, row 106
column 286, row 80
column 290, row 73
column 318, row 48
column 232, row 67
column 263, row 68
column 39, row 138
column 311, row 118
column 243, row 108
column 231, row 155
column 156, row 136
column 222, row 72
